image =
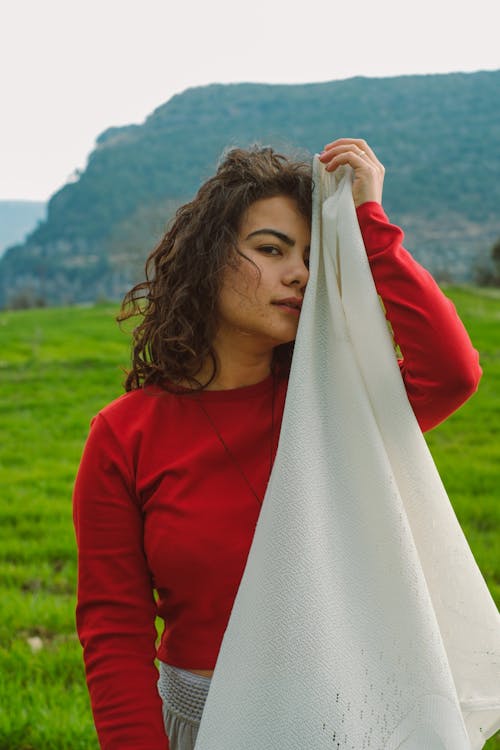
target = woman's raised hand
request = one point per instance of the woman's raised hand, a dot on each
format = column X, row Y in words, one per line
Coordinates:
column 368, row 171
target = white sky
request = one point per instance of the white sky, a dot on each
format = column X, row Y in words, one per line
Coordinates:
column 71, row 68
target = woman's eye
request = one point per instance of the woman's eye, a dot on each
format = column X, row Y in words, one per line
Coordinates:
column 269, row 249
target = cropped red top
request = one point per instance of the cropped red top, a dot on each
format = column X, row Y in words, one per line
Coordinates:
column 159, row 507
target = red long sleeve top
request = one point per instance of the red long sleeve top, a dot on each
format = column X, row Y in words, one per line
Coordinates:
column 158, row 506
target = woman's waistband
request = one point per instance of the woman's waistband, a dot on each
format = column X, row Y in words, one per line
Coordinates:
column 183, row 692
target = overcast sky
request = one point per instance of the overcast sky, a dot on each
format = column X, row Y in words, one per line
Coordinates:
column 72, row 68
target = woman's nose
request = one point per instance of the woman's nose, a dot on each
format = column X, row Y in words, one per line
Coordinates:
column 298, row 274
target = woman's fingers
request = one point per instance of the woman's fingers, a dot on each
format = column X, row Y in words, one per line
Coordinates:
column 359, row 143
column 368, row 171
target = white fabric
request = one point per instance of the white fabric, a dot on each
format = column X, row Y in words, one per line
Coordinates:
column 362, row 619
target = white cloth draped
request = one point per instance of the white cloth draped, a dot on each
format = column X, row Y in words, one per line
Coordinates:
column 362, row 619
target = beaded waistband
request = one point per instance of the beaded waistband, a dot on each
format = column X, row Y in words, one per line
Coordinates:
column 183, row 692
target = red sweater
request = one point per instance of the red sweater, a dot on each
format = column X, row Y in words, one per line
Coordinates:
column 159, row 506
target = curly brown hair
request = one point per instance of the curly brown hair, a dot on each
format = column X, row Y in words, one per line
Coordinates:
column 178, row 300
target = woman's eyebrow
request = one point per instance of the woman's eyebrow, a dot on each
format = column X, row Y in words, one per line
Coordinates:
column 283, row 237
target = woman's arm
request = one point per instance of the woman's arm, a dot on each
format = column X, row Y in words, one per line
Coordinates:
column 440, row 367
column 115, row 608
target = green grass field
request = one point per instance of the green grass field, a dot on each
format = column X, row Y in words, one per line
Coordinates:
column 58, row 367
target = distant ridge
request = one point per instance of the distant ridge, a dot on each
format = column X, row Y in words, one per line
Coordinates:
column 437, row 135
column 17, row 219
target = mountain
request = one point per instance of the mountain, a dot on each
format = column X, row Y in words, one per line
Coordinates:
column 437, row 135
column 17, row 219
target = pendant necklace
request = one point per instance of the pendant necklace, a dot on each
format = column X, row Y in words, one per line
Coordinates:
column 231, row 454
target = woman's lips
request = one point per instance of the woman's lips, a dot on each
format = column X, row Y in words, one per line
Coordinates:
column 288, row 308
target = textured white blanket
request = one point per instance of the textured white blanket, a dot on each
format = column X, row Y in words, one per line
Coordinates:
column 362, row 620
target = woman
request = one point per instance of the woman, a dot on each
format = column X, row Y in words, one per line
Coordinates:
column 174, row 471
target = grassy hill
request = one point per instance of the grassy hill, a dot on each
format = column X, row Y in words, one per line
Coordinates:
column 58, row 367
column 437, row 135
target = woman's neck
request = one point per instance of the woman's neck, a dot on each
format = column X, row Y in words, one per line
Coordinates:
column 238, row 375
column 236, row 368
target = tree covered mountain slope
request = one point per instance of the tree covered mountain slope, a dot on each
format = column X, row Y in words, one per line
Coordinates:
column 437, row 135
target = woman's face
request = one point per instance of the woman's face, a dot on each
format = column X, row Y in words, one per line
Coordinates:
column 265, row 306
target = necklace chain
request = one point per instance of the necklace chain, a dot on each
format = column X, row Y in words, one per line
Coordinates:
column 231, row 454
